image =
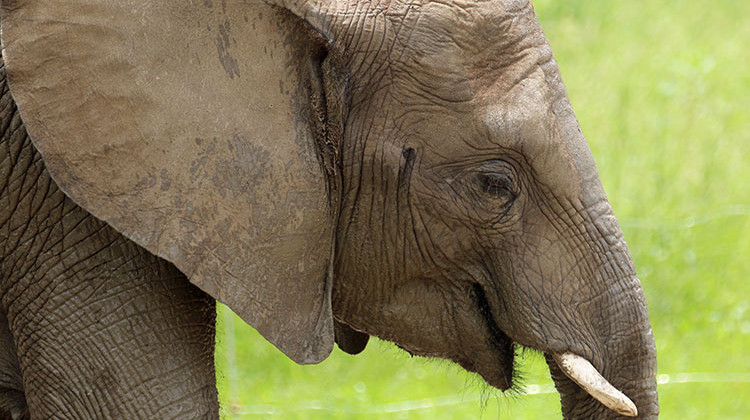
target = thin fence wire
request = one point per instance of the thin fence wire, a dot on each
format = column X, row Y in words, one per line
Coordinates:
column 687, row 222
column 456, row 399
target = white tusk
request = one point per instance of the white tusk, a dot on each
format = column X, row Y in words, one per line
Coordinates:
column 582, row 372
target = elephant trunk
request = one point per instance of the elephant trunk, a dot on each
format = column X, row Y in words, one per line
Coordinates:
column 627, row 362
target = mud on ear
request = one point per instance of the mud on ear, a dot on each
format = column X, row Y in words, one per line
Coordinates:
column 186, row 126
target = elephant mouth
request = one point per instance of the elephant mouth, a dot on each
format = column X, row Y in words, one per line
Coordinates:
column 574, row 367
column 500, row 342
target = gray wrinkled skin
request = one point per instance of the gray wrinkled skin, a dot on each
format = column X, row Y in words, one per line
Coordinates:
column 102, row 328
column 440, row 196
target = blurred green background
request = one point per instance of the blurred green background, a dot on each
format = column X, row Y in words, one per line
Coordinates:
column 661, row 89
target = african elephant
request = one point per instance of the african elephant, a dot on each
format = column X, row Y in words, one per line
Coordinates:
column 331, row 170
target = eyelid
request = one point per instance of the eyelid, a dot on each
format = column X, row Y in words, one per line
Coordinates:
column 497, row 166
column 505, row 173
column 501, row 178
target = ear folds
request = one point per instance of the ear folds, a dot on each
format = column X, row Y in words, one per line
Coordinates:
column 185, row 126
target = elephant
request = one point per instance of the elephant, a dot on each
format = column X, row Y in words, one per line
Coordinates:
column 330, row 170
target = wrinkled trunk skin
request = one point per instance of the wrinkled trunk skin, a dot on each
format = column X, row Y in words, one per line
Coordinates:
column 623, row 350
column 631, row 368
column 613, row 314
column 610, row 328
column 584, row 297
column 629, row 365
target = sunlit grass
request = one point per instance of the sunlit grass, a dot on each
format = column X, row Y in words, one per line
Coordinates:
column 661, row 91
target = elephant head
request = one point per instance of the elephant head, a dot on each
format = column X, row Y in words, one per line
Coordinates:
column 335, row 169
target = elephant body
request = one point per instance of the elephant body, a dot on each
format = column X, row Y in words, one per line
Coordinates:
column 330, row 170
column 102, row 328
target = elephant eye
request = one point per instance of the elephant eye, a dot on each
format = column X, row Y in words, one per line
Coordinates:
column 498, row 186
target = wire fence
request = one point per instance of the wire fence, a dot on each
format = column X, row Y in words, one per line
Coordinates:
column 452, row 400
column 687, row 222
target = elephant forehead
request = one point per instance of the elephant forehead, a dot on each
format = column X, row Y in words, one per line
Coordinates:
column 520, row 119
column 524, row 118
column 453, row 51
column 474, row 25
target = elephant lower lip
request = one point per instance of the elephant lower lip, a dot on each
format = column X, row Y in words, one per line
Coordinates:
column 501, row 375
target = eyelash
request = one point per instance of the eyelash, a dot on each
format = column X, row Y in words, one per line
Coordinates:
column 494, row 181
column 498, row 186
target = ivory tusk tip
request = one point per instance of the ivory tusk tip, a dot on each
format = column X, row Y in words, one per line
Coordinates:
column 628, row 409
column 583, row 373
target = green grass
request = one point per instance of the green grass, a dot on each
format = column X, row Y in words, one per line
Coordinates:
column 661, row 91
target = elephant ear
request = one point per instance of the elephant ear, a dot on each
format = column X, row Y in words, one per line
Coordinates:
column 187, row 127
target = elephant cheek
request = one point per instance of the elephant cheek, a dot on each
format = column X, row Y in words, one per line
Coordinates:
column 454, row 323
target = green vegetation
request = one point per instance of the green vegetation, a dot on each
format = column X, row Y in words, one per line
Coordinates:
column 661, row 91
